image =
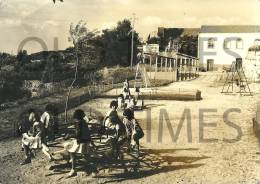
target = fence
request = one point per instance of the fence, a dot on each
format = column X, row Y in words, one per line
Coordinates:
column 9, row 118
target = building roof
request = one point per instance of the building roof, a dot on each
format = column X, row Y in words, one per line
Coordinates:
column 230, row 29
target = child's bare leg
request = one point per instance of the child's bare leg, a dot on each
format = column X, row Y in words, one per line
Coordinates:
column 46, row 150
column 72, row 158
column 27, row 154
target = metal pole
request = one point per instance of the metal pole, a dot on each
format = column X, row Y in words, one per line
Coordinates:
column 132, row 46
column 150, row 66
column 156, row 66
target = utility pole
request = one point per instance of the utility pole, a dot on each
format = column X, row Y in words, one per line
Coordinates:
column 133, row 33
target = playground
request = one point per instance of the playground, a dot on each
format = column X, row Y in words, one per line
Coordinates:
column 185, row 159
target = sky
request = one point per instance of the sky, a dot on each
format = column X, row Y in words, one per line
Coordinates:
column 21, row 19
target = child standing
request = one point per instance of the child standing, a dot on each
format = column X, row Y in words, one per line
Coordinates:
column 126, row 90
column 82, row 141
column 48, row 122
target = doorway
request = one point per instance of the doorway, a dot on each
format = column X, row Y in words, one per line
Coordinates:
column 210, row 64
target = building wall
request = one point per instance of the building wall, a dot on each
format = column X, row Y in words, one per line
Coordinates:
column 221, row 55
column 252, row 66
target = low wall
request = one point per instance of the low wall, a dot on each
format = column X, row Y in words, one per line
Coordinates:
column 171, row 76
column 181, row 95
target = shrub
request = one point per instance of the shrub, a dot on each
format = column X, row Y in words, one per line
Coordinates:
column 11, row 87
column 120, row 74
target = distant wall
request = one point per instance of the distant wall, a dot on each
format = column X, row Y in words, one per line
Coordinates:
column 171, row 76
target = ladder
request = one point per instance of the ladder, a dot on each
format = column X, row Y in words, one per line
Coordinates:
column 141, row 76
column 237, row 77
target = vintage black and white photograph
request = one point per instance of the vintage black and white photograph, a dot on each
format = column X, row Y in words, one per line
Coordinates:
column 129, row 91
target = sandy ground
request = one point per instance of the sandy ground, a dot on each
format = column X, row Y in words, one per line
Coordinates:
column 168, row 160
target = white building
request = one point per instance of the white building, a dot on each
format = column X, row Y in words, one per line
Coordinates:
column 151, row 48
column 221, row 45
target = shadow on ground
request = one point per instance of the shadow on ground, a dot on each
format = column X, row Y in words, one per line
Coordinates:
column 150, row 162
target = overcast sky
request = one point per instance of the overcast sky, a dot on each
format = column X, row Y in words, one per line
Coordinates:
column 20, row 19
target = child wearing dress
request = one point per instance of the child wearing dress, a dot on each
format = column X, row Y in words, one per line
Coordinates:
column 82, row 139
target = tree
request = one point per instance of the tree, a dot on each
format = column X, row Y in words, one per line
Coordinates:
column 54, row 1
column 23, row 57
column 11, row 87
column 53, row 64
column 116, row 44
column 89, row 50
column 153, row 40
column 6, row 59
column 78, row 34
column 188, row 45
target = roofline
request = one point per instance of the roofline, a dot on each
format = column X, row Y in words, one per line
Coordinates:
column 229, row 29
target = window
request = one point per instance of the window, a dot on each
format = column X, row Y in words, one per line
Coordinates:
column 239, row 43
column 227, row 44
column 211, row 43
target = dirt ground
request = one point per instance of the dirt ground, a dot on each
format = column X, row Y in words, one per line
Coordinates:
column 187, row 159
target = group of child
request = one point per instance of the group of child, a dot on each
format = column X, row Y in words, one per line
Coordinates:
column 38, row 132
column 126, row 131
column 126, row 99
column 122, row 132
column 34, row 131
